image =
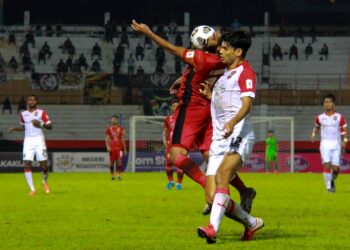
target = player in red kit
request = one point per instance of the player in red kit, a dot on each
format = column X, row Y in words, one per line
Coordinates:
column 169, row 124
column 193, row 120
column 116, row 146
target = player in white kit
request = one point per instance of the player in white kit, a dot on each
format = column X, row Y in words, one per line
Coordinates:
column 33, row 120
column 333, row 127
column 233, row 135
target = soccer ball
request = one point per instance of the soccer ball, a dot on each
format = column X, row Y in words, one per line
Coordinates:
column 200, row 35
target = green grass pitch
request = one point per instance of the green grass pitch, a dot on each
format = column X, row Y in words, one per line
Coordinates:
column 89, row 211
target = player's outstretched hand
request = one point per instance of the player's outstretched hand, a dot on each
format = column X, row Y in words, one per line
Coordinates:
column 140, row 27
column 36, row 123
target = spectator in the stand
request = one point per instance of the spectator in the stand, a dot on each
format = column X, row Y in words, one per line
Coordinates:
column 7, row 106
column 49, row 30
column 140, row 52
column 124, row 39
column 116, row 65
column 324, row 52
column 299, row 34
column 69, row 63
column 277, row 52
column 178, row 40
column 66, row 46
column 140, row 71
column 38, row 31
column 293, row 51
column 12, row 38
column 23, row 49
column 308, row 51
column 178, row 68
column 119, row 54
column 131, row 65
column 61, row 67
column 83, row 62
column 313, row 33
column 160, row 57
column 96, row 67
column 172, row 25
column 47, row 50
column 58, row 28
column 28, row 66
column 30, row 38
column 236, row 25
column 160, row 79
column 13, row 64
column 76, row 67
column 148, row 43
column 96, row 51
column 22, row 105
column 109, row 31
column 41, row 56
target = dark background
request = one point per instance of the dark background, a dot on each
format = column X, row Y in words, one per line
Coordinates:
column 218, row 12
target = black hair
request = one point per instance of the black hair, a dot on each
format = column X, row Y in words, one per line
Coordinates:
column 35, row 96
column 115, row 116
column 237, row 39
column 329, row 96
column 270, row 131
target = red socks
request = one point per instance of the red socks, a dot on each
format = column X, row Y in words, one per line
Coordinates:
column 191, row 169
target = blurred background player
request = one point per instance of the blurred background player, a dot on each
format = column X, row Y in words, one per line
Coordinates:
column 233, row 135
column 169, row 124
column 271, row 151
column 193, row 124
column 116, row 146
column 33, row 120
column 333, row 126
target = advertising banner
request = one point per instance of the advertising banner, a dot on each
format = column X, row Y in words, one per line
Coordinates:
column 303, row 162
column 80, row 162
column 11, row 162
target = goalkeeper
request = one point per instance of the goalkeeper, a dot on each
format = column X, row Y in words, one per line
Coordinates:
column 271, row 151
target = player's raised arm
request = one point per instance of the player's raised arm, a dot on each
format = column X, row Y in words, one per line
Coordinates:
column 144, row 29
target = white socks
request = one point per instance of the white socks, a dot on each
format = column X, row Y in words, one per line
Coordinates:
column 218, row 209
column 29, row 179
column 327, row 180
column 248, row 220
column 221, row 204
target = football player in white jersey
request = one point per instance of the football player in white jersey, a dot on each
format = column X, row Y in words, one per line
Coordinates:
column 233, row 135
column 334, row 137
column 33, row 120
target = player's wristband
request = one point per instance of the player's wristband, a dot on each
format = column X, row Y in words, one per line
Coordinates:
column 345, row 140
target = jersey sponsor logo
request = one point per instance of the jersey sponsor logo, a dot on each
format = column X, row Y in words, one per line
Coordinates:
column 231, row 74
column 36, row 113
column 190, row 54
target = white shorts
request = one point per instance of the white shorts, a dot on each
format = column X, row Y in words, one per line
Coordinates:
column 34, row 147
column 218, row 149
column 332, row 155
